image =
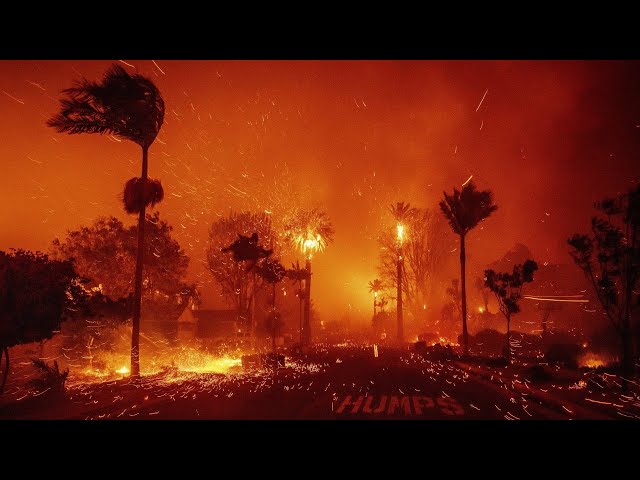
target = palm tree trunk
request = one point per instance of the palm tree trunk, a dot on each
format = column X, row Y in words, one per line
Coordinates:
column 374, row 309
column 306, row 330
column 300, row 307
column 5, row 351
column 508, row 352
column 463, row 294
column 399, row 298
column 135, row 333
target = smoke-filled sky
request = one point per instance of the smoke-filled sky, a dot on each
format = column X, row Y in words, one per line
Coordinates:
column 548, row 137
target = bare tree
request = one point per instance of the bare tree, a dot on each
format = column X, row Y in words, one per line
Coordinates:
column 424, row 251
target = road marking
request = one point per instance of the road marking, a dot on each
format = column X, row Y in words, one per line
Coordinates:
column 394, row 405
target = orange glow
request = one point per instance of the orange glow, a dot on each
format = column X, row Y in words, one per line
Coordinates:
column 592, row 360
column 310, row 243
column 353, row 136
column 400, row 231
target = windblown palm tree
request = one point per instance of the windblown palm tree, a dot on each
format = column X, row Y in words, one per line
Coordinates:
column 375, row 286
column 401, row 213
column 129, row 107
column 464, row 210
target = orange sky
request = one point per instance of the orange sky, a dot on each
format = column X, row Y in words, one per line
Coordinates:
column 549, row 138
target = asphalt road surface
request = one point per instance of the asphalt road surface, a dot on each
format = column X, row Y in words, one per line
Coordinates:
column 341, row 383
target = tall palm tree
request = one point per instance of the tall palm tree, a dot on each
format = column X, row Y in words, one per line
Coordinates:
column 130, row 107
column 401, row 212
column 298, row 274
column 375, row 286
column 310, row 231
column 464, row 210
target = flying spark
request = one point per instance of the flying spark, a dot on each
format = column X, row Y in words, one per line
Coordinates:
column 485, row 94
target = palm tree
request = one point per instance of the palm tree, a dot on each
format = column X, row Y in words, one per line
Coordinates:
column 374, row 287
column 272, row 271
column 464, row 210
column 401, row 213
column 130, row 107
column 310, row 231
column 298, row 274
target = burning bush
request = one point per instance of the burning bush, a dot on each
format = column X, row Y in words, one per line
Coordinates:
column 51, row 378
column 564, row 353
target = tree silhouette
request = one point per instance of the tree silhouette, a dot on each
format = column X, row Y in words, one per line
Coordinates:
column 464, row 210
column 507, row 288
column 309, row 231
column 423, row 251
column 129, row 107
column 298, row 274
column 272, row 272
column 375, row 287
column 238, row 281
column 36, row 295
column 610, row 260
column 401, row 213
column 105, row 253
column 247, row 249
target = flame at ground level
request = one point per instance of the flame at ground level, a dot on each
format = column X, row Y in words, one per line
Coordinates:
column 593, row 360
column 161, row 357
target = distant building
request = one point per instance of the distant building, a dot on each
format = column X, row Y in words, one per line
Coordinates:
column 209, row 324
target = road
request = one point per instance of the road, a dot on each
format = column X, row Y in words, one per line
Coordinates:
column 342, row 383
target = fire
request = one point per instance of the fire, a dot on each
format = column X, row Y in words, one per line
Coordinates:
column 480, row 309
column 592, row 360
column 444, row 341
column 124, row 371
column 400, row 229
column 310, row 243
column 209, row 364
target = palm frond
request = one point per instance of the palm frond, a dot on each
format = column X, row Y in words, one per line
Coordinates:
column 135, row 197
column 309, row 226
column 465, row 208
column 123, row 105
column 401, row 211
column 375, row 285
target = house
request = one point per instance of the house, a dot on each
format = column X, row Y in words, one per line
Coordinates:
column 208, row 324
